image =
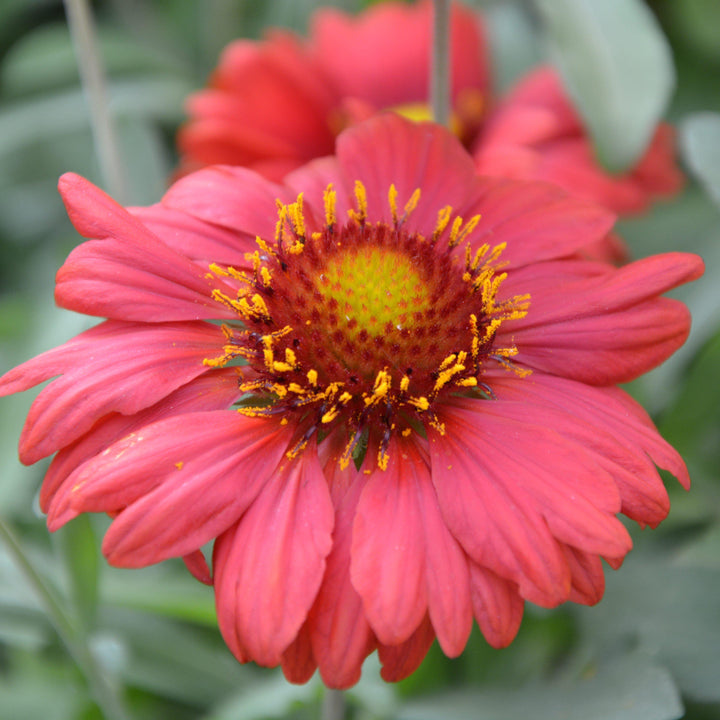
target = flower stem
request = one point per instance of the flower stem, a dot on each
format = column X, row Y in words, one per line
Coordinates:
column 103, row 690
column 333, row 705
column 92, row 76
column 440, row 62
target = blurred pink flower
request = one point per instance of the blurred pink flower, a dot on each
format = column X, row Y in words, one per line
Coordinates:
column 535, row 133
column 407, row 419
column 273, row 105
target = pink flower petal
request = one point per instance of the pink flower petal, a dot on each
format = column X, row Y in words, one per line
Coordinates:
column 388, row 566
column 399, row 661
column 178, row 483
column 268, row 571
column 117, row 367
column 537, row 221
column 636, row 444
column 497, row 529
column 122, row 280
column 497, row 606
column 215, row 390
column 588, row 579
column 231, row 197
column 340, row 633
column 555, row 477
column 298, row 661
column 200, row 241
column 376, row 152
column 197, row 565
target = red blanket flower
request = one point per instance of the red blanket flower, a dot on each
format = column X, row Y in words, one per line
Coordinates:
column 406, row 417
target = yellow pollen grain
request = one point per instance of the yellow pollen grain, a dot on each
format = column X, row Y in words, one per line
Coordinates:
column 421, row 403
column 217, row 270
column 383, row 459
column 295, row 210
column 329, row 201
column 330, row 415
column 406, row 432
column 392, row 200
column 179, row 465
column 282, row 367
column 345, row 398
column 290, row 357
column 467, row 382
column 312, row 377
column 454, row 231
column 443, row 219
column 265, row 277
column 470, row 225
column 449, row 360
column 404, row 383
column 412, row 203
column 295, row 388
column 265, row 247
column 280, row 225
column 359, row 215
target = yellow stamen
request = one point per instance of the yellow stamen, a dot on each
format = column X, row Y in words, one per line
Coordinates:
column 444, row 216
column 329, row 200
column 392, row 199
column 359, row 215
column 411, row 204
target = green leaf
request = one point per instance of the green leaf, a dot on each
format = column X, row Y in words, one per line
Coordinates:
column 273, row 698
column 78, row 548
column 630, row 688
column 700, row 141
column 618, row 68
column 670, row 611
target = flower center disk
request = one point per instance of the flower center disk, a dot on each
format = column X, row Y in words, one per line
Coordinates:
column 363, row 323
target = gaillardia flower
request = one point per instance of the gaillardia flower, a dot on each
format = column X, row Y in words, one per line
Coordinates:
column 273, row 105
column 386, row 389
column 535, row 133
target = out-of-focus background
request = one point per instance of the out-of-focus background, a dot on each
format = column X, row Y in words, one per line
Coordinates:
column 81, row 641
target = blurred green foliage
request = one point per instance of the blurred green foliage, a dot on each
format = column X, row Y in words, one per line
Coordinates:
column 81, row 641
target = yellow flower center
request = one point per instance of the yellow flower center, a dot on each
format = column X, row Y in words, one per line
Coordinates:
column 363, row 324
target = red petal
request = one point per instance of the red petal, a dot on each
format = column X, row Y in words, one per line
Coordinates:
column 115, row 367
column 537, row 221
column 399, row 661
column 389, row 150
column 497, row 606
column 178, row 483
column 200, row 241
column 397, row 72
column 341, row 635
column 298, row 662
column 268, row 571
column 232, row 197
column 497, row 529
column 122, row 280
column 215, row 390
column 197, row 565
column 588, row 579
column 612, row 411
column 388, row 566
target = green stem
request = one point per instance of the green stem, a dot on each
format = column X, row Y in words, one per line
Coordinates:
column 92, row 76
column 333, row 705
column 101, row 687
column 440, row 63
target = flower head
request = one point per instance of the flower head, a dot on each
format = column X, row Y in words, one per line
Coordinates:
column 278, row 103
column 535, row 133
column 406, row 418
column 275, row 104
